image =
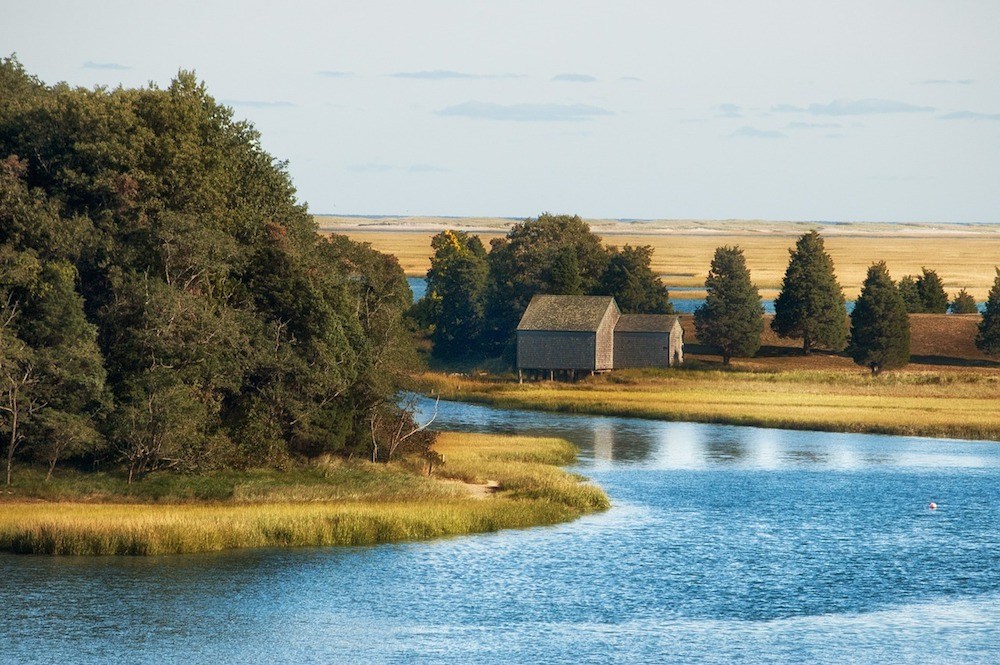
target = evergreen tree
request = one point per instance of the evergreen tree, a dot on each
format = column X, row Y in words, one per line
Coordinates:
column 880, row 326
column 988, row 339
column 457, row 281
column 631, row 280
column 911, row 295
column 564, row 277
column 811, row 304
column 933, row 298
column 732, row 316
column 963, row 303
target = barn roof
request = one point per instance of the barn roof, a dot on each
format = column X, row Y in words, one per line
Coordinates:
column 566, row 313
column 649, row 323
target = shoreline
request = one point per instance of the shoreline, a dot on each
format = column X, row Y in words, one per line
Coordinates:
column 900, row 404
column 486, row 484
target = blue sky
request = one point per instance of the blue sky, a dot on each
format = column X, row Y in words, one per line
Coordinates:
column 849, row 110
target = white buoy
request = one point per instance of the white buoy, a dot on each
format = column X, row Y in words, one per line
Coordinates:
column 933, row 506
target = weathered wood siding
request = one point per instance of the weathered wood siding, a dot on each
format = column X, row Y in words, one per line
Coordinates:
column 642, row 349
column 552, row 349
column 605, row 351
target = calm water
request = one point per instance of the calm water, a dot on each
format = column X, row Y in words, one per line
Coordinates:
column 724, row 544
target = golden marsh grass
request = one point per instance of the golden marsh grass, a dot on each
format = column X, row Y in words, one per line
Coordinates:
column 530, row 491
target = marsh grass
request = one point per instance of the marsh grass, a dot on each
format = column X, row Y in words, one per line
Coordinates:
column 952, row 404
column 333, row 504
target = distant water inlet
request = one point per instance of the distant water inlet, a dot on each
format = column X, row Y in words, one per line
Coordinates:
column 724, row 544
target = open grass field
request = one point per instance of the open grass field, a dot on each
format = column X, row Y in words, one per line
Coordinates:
column 486, row 483
column 964, row 257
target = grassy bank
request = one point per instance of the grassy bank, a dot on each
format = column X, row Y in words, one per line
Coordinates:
column 517, row 483
column 947, row 404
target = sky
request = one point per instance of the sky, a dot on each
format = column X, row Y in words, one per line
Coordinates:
column 873, row 110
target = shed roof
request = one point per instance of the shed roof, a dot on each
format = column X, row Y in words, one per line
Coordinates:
column 566, row 313
column 647, row 323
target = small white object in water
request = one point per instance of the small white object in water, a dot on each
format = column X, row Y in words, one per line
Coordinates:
column 933, row 506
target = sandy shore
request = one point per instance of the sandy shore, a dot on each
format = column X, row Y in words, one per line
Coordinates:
column 663, row 227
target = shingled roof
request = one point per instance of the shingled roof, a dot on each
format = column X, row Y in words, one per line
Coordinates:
column 648, row 323
column 566, row 313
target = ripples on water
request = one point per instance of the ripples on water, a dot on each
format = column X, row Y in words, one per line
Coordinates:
column 724, row 544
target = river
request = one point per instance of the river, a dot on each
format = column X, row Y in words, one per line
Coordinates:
column 724, row 544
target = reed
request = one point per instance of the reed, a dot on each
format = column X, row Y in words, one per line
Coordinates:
column 347, row 504
column 951, row 404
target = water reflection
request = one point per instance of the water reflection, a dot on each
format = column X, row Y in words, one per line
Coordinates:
column 605, row 442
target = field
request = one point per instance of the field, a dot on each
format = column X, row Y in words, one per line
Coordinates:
column 964, row 256
column 486, row 483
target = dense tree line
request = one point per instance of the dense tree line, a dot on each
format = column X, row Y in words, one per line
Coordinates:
column 475, row 298
column 166, row 302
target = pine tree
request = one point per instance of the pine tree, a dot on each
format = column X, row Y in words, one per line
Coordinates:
column 933, row 298
column 631, row 280
column 880, row 327
column 732, row 316
column 910, row 295
column 963, row 303
column 988, row 339
column 811, row 304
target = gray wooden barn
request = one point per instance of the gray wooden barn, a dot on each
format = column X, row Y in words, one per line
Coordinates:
column 572, row 334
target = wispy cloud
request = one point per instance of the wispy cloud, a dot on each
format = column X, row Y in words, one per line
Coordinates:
column 333, row 74
column 969, row 115
column 753, row 133
column 524, row 112
column 813, row 125
column 854, row 107
column 258, row 104
column 729, row 110
column 630, row 79
column 447, row 74
column 105, row 65
column 574, row 78
column 945, row 82
column 426, row 168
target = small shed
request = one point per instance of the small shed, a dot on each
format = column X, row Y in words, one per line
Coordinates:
column 648, row 340
column 567, row 333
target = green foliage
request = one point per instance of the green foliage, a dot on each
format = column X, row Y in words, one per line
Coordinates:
column 732, row 316
column 911, row 295
column 963, row 303
column 456, row 284
column 933, row 298
column 811, row 304
column 163, row 290
column 631, row 280
column 535, row 257
column 880, row 327
column 988, row 339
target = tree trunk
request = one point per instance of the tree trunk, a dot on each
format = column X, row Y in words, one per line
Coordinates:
column 725, row 358
column 806, row 345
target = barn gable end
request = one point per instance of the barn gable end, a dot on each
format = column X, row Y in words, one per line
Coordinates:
column 567, row 333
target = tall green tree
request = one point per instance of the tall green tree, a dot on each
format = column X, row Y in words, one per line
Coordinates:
column 963, row 303
column 811, row 303
column 988, row 339
column 880, row 326
column 732, row 316
column 933, row 298
column 629, row 277
column 457, row 279
column 910, row 294
column 538, row 256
